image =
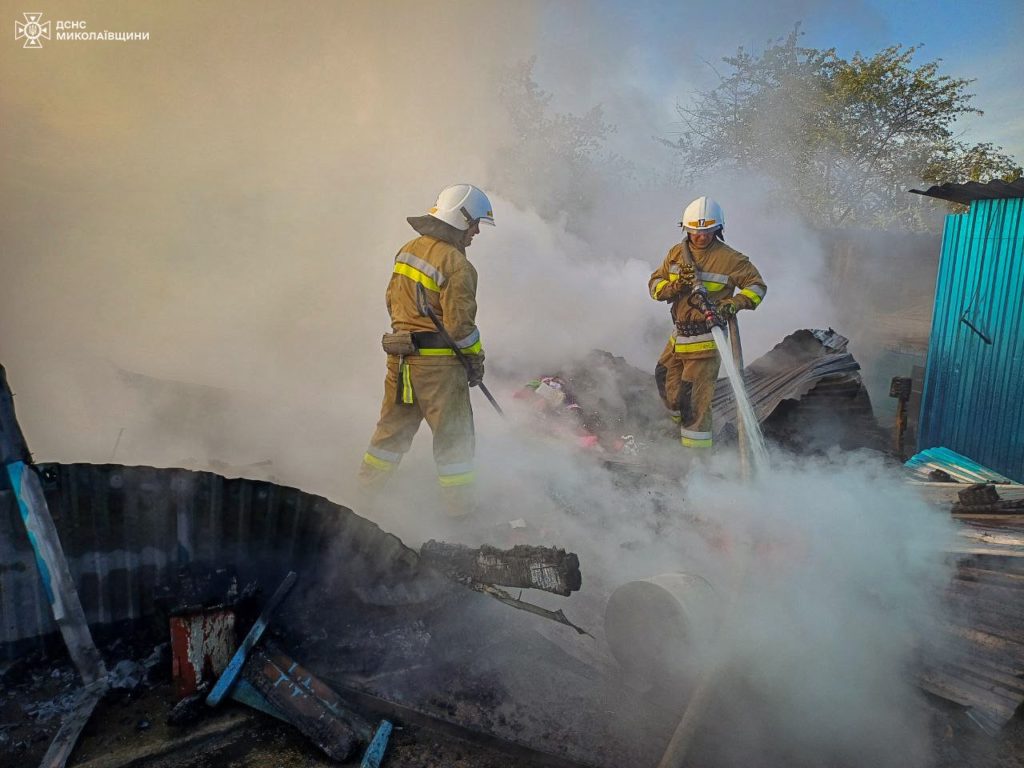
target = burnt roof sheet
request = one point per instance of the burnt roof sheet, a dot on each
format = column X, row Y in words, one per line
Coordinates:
column 967, row 193
column 792, row 369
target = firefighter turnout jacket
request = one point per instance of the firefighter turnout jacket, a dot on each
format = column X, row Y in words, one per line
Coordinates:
column 722, row 270
column 449, row 281
column 428, row 382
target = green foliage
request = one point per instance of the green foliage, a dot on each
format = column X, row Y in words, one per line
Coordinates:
column 554, row 159
column 842, row 139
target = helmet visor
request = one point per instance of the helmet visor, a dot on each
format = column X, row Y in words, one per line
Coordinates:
column 482, row 217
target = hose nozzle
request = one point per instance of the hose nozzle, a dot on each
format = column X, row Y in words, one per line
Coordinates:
column 700, row 301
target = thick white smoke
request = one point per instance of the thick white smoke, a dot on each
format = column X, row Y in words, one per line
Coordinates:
column 198, row 231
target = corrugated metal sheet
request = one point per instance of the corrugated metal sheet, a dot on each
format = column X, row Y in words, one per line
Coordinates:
column 974, row 385
column 967, row 193
column 807, row 387
column 958, row 467
column 126, row 530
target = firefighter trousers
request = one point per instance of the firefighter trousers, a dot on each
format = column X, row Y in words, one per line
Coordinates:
column 687, row 386
column 418, row 388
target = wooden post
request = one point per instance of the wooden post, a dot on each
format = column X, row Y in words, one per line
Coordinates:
column 899, row 388
column 56, row 577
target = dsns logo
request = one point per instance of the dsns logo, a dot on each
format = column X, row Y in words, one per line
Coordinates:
column 32, row 29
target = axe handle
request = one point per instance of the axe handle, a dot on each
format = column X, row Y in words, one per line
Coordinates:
column 458, row 352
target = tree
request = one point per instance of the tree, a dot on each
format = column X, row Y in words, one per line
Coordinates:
column 555, row 160
column 843, row 139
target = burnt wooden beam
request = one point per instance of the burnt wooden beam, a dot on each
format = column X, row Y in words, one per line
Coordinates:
column 529, row 567
column 306, row 702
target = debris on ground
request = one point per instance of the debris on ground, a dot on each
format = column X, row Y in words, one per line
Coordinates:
column 944, row 465
column 984, row 499
column 530, row 567
column 807, row 392
column 382, row 634
column 306, row 702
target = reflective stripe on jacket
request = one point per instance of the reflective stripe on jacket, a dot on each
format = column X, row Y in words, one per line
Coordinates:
column 722, row 270
column 449, row 280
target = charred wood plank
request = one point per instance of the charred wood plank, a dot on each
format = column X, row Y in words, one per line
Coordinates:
column 71, row 725
column 307, row 702
column 529, row 567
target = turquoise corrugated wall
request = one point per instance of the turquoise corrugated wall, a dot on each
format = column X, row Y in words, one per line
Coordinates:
column 973, row 400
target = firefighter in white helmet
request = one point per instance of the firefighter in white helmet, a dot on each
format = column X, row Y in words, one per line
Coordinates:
column 688, row 367
column 425, row 380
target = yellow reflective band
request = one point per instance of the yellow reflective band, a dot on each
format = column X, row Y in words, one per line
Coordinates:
column 406, row 384
column 411, row 272
column 689, row 442
column 698, row 346
column 473, row 349
column 657, row 288
column 463, row 478
column 373, row 461
column 701, row 223
column 751, row 295
column 713, row 286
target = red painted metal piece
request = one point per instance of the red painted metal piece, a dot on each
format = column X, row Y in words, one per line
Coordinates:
column 201, row 647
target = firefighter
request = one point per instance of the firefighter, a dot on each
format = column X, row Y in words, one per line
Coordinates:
column 425, row 380
column 688, row 367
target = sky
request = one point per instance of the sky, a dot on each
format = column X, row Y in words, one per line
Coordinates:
column 665, row 51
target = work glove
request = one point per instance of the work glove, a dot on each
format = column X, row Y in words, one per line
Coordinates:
column 475, row 369
column 676, row 288
column 728, row 307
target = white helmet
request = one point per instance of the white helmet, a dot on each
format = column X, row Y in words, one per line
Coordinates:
column 462, row 204
column 703, row 215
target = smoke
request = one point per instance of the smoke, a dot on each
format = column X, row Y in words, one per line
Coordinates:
column 198, row 231
column 826, row 576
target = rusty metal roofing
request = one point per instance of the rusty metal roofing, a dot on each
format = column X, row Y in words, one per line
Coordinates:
column 970, row 191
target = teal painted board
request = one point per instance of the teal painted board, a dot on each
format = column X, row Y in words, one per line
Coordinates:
column 974, row 380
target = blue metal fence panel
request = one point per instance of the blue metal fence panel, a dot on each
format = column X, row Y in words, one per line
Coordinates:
column 974, row 382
